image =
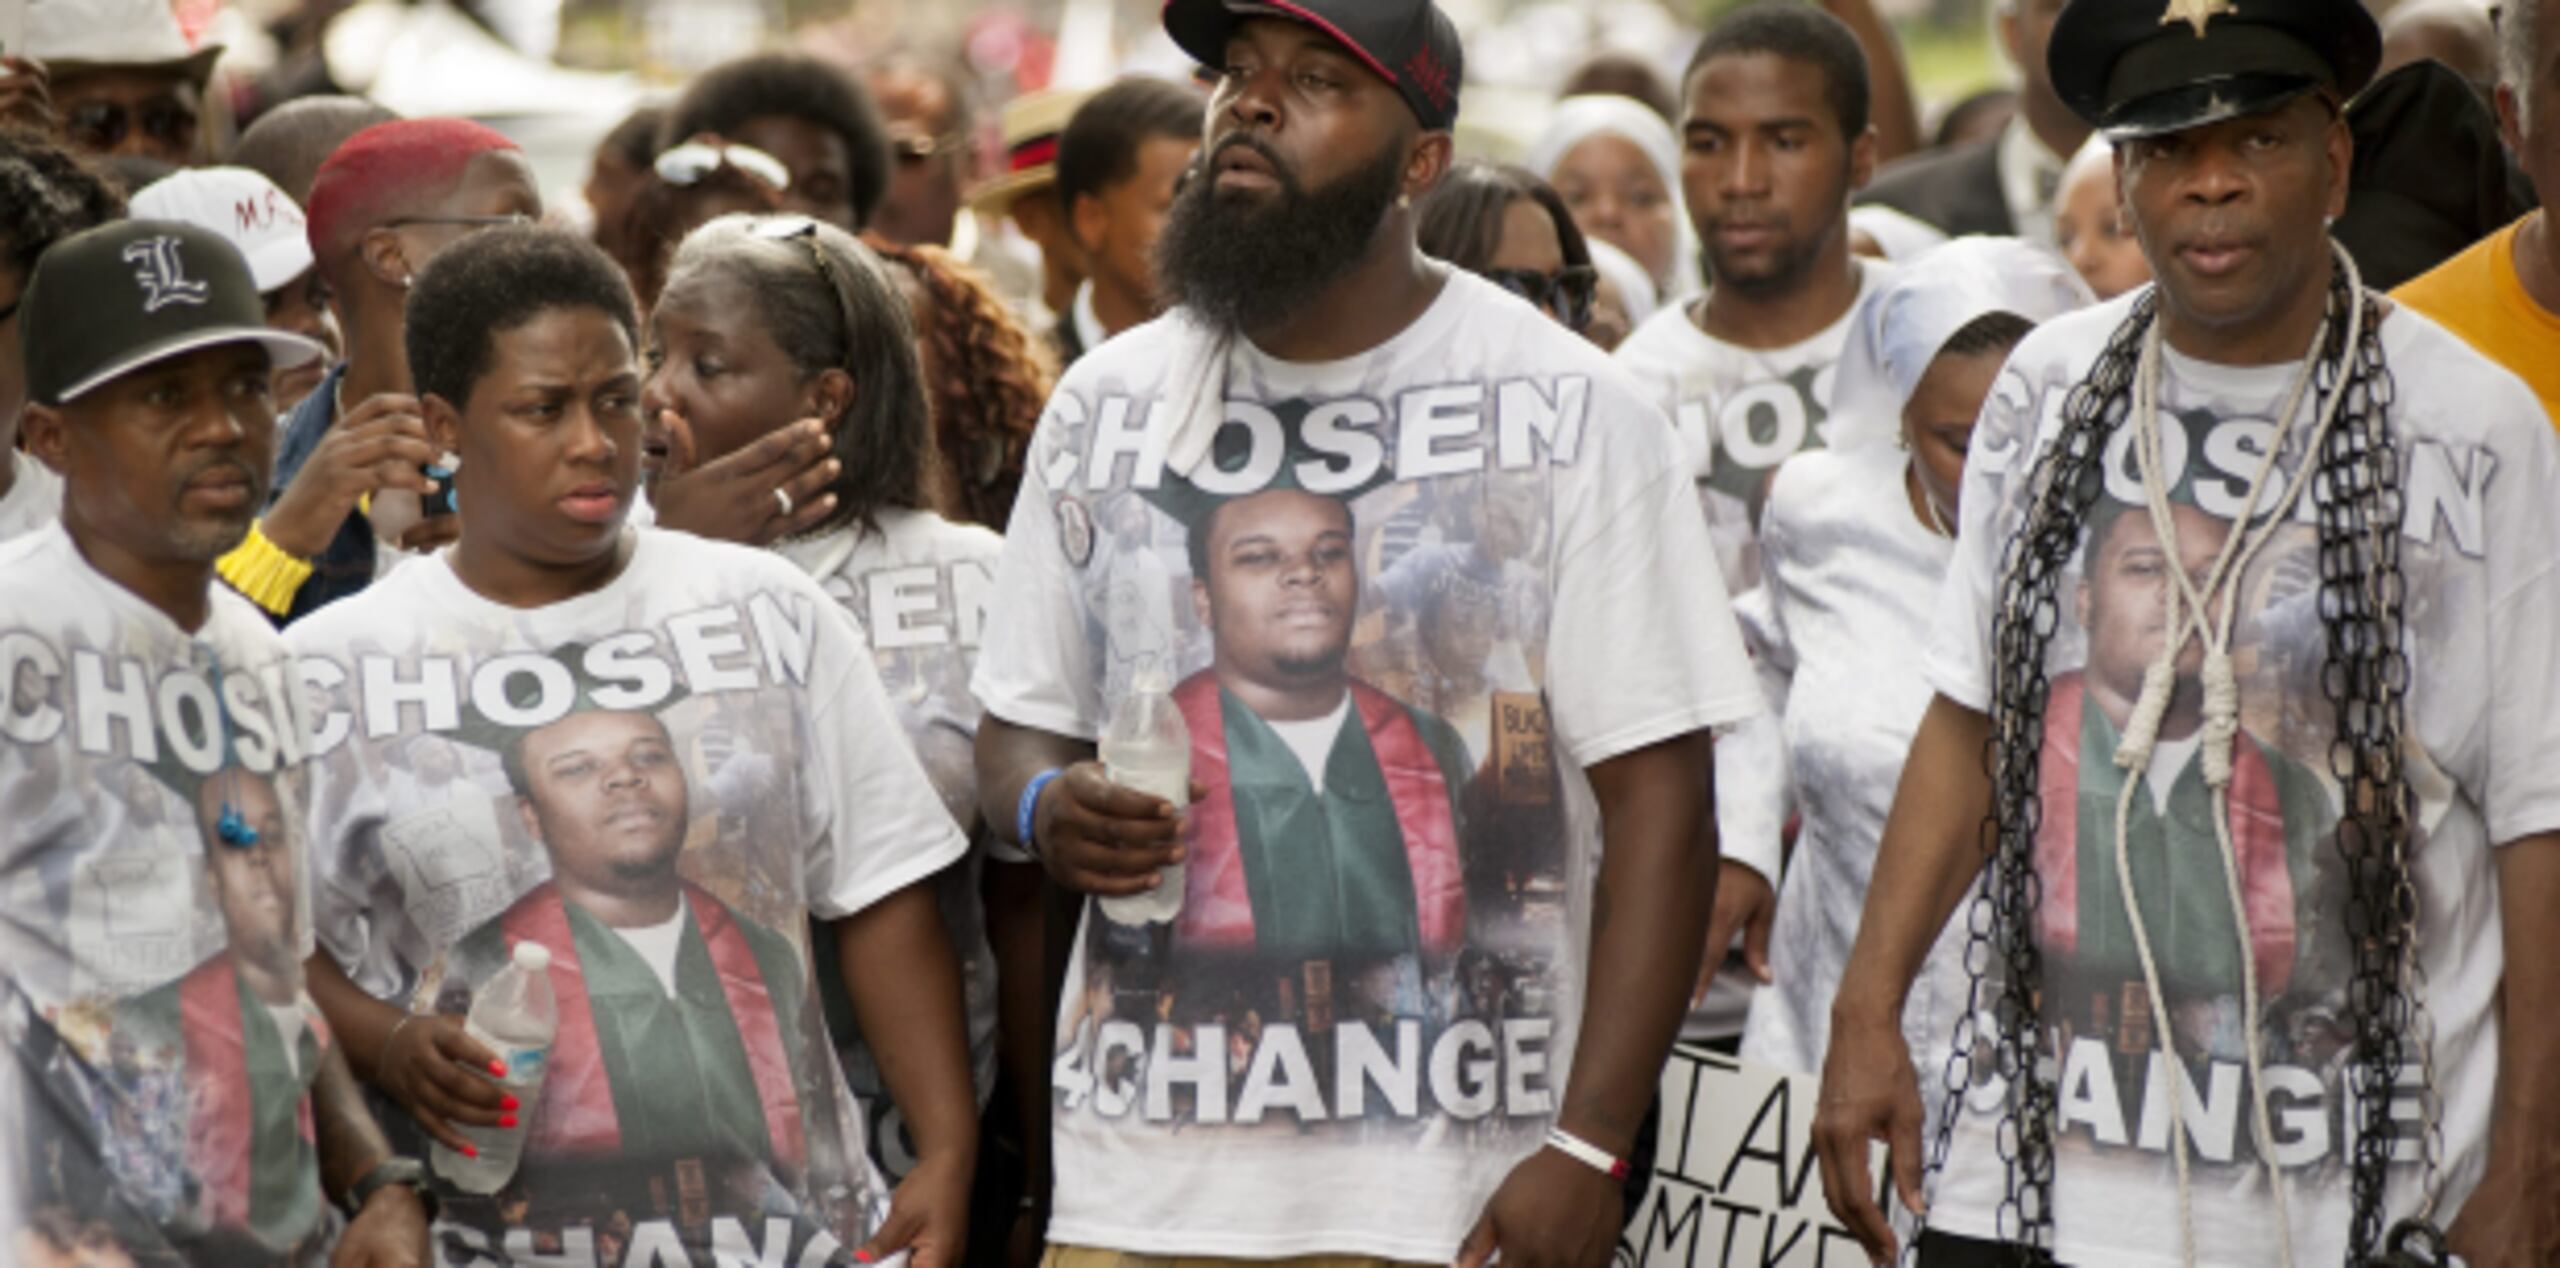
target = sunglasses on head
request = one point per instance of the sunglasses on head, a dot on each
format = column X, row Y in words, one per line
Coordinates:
column 103, row 125
column 693, row 162
column 914, row 148
column 1567, row 292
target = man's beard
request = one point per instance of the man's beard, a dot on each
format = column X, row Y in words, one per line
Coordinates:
column 207, row 538
column 1784, row 270
column 1776, row 274
column 1241, row 266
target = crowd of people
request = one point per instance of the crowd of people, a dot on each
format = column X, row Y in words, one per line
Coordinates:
column 2031, row 623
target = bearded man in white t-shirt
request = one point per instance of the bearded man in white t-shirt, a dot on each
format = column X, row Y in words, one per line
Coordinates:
column 2241, row 512
column 1322, row 383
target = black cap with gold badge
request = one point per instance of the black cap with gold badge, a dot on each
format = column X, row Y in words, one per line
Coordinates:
column 2137, row 68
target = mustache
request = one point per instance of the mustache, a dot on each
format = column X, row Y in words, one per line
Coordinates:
column 215, row 462
column 1207, row 164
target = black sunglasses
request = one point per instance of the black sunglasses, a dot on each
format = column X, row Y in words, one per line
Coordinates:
column 1567, row 292
column 103, row 125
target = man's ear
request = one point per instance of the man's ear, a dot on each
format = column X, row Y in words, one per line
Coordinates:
column 2510, row 118
column 2342, row 157
column 1200, row 606
column 383, row 256
column 1427, row 163
column 46, row 434
column 532, row 822
column 444, row 423
column 1087, row 222
column 1862, row 159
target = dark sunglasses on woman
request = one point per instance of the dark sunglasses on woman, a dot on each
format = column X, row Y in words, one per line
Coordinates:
column 103, row 125
column 1566, row 293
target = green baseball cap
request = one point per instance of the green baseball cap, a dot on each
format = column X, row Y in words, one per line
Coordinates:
column 111, row 300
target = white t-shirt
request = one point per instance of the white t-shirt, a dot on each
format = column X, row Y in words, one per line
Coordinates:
column 146, row 967
column 918, row 589
column 1742, row 411
column 1418, row 932
column 2480, row 479
column 1838, row 626
column 707, row 724
column 34, row 498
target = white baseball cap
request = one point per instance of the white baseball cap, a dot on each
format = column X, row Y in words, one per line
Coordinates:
column 246, row 208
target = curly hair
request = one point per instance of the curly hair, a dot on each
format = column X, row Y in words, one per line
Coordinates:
column 986, row 380
column 46, row 195
column 495, row 281
column 808, row 279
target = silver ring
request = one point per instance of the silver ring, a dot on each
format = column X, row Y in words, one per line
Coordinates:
column 783, row 499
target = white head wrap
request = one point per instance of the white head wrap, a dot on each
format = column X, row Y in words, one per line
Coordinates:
column 1902, row 237
column 1628, row 276
column 1578, row 119
column 1900, row 325
column 2093, row 161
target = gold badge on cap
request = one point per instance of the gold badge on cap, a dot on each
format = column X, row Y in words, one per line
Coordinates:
column 2197, row 13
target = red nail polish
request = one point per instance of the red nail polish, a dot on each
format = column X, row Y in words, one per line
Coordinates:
column 506, row 1120
column 498, row 1069
column 470, row 1151
column 863, row 1256
column 507, row 1104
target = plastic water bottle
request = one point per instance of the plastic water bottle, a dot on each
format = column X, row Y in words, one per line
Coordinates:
column 1148, row 747
column 515, row 1017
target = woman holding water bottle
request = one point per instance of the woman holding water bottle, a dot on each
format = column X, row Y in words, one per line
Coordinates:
column 676, row 760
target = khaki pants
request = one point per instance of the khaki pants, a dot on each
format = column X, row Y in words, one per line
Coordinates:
column 1088, row 1257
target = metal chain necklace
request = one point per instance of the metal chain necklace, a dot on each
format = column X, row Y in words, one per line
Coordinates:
column 2358, row 506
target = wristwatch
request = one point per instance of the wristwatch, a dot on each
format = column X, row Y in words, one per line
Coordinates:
column 390, row 1171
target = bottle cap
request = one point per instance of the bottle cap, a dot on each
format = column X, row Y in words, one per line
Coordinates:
column 532, row 957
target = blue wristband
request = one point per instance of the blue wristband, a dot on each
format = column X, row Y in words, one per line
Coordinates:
column 1029, row 809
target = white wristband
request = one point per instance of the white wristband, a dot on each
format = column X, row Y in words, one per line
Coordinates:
column 1586, row 1153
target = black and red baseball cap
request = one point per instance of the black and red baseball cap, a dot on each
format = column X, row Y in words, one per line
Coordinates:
column 1409, row 43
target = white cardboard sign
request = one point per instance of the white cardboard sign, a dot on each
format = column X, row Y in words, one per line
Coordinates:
column 1735, row 1182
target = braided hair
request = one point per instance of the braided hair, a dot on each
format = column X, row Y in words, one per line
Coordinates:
column 2356, row 490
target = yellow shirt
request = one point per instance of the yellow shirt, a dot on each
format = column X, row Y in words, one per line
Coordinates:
column 2478, row 296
